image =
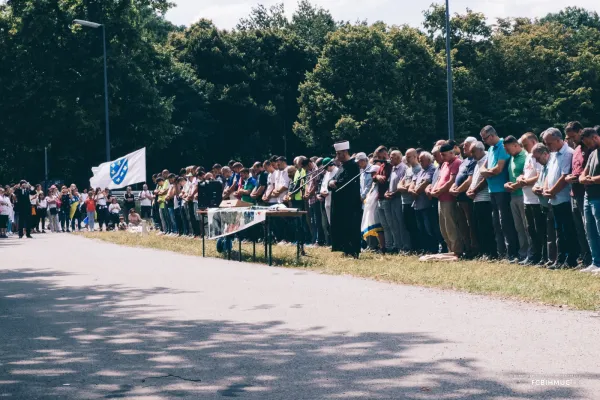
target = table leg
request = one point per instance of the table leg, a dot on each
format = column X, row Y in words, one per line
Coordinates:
column 228, row 247
column 266, row 237
column 270, row 244
column 203, row 236
column 298, row 239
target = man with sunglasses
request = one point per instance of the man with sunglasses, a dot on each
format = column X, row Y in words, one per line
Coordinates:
column 495, row 171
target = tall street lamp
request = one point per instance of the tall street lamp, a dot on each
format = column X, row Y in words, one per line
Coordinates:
column 449, row 75
column 95, row 26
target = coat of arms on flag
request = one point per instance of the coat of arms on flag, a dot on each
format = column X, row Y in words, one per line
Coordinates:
column 118, row 170
column 121, row 172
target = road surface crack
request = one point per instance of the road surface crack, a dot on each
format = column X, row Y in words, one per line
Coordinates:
column 172, row 376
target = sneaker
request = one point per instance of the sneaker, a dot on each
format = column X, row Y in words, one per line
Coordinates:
column 591, row 268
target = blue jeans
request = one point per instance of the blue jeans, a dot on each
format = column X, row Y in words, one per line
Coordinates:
column 165, row 220
column 592, row 226
column 173, row 221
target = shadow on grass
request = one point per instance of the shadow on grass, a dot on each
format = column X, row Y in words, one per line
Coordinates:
column 84, row 342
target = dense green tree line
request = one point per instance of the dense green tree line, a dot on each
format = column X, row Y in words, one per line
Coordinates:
column 200, row 94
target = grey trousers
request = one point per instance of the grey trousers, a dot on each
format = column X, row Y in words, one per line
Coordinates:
column 384, row 209
column 403, row 242
column 517, row 207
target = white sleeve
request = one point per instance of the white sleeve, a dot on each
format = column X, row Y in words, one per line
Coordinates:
column 285, row 181
column 325, row 183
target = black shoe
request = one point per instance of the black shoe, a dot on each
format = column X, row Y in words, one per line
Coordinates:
column 29, row 237
column 20, row 236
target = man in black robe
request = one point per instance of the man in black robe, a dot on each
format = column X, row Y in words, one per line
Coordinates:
column 23, row 207
column 346, row 204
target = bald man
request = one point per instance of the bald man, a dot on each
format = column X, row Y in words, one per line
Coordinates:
column 396, row 218
column 412, row 169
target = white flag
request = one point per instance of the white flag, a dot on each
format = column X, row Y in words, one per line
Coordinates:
column 122, row 172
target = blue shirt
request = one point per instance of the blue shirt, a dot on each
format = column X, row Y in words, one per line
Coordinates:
column 497, row 153
column 559, row 165
column 422, row 201
column 467, row 168
column 397, row 175
column 366, row 181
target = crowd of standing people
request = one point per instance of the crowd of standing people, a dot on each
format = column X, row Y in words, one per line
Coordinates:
column 25, row 209
column 529, row 200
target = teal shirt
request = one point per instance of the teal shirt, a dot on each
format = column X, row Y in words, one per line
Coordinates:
column 250, row 184
column 515, row 169
column 495, row 154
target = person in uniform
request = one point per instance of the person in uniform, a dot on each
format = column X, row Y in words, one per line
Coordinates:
column 346, row 204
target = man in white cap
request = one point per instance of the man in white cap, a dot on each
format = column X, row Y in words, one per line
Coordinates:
column 346, row 205
column 366, row 180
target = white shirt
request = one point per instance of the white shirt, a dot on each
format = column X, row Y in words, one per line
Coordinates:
column 83, row 197
column 146, row 198
column 43, row 203
column 34, row 200
column 531, row 169
column 101, row 200
column 482, row 195
column 271, row 181
column 114, row 209
column 283, row 180
column 5, row 205
column 52, row 201
column 325, row 184
column 193, row 183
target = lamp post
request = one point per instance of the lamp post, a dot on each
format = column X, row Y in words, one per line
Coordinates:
column 96, row 26
column 449, row 75
column 45, row 168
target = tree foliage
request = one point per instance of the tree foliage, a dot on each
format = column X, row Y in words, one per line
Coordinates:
column 274, row 84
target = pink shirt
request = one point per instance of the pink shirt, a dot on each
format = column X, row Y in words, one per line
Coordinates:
column 447, row 171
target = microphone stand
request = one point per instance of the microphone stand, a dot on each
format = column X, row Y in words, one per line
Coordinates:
column 317, row 172
column 350, row 181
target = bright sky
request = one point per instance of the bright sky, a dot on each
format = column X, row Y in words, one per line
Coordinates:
column 226, row 13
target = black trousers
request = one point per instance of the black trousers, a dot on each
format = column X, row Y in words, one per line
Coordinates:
column 536, row 230
column 324, row 224
column 303, row 231
column 102, row 216
column 146, row 211
column 482, row 224
column 178, row 219
column 566, row 236
column 410, row 222
column 193, row 220
column 24, row 223
column 507, row 242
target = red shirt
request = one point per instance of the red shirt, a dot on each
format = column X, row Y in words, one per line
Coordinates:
column 447, row 171
column 580, row 157
column 385, row 170
column 90, row 205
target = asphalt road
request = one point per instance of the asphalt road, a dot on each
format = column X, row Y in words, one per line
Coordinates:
column 81, row 319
